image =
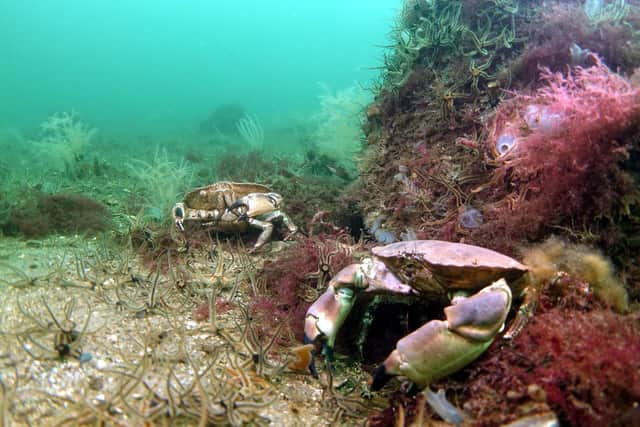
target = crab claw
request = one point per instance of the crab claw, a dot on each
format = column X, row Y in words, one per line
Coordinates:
column 323, row 320
column 442, row 347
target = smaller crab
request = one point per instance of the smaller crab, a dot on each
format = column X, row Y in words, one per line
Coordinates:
column 233, row 207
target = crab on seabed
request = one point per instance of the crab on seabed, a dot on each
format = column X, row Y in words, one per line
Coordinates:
column 230, row 207
column 431, row 269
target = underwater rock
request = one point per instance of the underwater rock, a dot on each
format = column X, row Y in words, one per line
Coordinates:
column 222, row 119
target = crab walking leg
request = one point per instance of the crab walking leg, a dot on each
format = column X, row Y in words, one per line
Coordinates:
column 442, row 347
column 524, row 314
column 293, row 229
column 279, row 216
column 267, row 229
column 265, row 223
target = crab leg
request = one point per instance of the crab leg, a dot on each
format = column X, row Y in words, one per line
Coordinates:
column 267, row 229
column 525, row 312
column 265, row 223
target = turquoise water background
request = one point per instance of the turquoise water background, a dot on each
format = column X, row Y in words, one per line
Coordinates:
column 155, row 65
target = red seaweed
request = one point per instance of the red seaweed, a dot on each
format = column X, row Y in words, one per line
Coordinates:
column 568, row 141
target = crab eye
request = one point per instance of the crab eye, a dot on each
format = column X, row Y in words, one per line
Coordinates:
column 178, row 212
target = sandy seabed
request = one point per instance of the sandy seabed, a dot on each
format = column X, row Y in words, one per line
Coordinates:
column 135, row 355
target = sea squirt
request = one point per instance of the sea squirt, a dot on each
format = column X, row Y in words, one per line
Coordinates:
column 505, row 143
column 471, row 218
column 541, row 118
column 381, row 234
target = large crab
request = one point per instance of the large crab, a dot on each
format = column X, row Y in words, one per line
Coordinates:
column 480, row 280
column 233, row 207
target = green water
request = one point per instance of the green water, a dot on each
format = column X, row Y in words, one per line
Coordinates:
column 139, row 289
column 149, row 97
column 152, row 66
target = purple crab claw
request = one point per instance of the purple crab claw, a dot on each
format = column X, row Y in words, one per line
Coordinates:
column 323, row 320
column 442, row 347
